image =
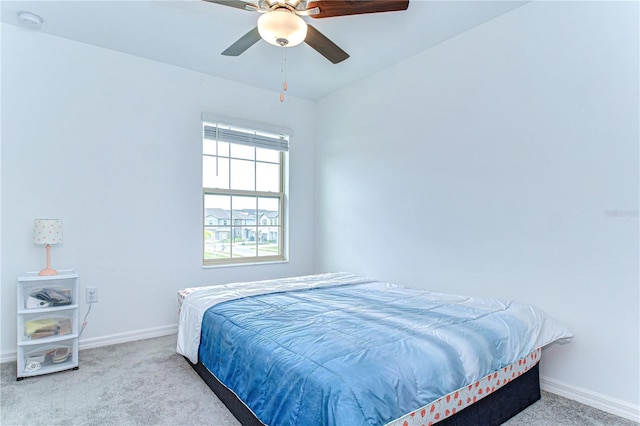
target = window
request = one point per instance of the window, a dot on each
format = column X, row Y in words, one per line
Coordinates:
column 243, row 194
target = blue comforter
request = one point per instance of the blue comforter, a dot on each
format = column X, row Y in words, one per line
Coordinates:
column 362, row 354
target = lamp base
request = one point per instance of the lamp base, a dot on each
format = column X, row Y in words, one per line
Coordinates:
column 48, row 271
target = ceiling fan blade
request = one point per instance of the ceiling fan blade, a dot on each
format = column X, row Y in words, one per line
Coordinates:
column 324, row 46
column 238, row 4
column 245, row 42
column 330, row 8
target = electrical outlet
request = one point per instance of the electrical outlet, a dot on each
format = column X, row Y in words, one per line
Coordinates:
column 92, row 294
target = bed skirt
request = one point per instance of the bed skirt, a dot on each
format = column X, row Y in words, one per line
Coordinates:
column 492, row 410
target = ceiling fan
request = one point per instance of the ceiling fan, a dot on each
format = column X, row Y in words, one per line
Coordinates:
column 281, row 25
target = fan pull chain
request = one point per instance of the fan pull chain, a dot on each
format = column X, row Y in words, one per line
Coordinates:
column 284, row 84
column 283, row 71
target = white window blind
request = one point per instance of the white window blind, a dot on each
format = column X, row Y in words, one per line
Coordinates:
column 224, row 133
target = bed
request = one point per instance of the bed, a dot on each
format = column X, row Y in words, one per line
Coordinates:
column 340, row 349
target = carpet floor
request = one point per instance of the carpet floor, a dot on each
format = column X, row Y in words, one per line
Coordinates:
column 148, row 383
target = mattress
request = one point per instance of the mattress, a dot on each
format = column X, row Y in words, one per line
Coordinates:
column 452, row 403
column 342, row 349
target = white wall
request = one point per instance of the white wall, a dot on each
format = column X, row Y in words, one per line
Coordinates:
column 490, row 165
column 111, row 144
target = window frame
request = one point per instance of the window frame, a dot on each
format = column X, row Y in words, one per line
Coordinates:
column 281, row 196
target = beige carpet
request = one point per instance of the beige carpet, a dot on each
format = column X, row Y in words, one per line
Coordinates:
column 147, row 383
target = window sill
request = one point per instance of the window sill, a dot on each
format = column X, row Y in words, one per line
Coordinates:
column 233, row 265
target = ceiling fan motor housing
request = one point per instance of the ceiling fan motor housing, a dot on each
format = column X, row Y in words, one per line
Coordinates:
column 291, row 4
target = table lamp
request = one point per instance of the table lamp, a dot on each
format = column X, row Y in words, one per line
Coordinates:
column 47, row 232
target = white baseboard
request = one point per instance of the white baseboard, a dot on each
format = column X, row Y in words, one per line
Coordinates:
column 592, row 399
column 112, row 339
column 8, row 357
column 132, row 336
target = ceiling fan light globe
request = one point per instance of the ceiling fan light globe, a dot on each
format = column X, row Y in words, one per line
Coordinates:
column 282, row 28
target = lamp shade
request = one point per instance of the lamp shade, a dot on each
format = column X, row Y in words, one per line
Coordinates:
column 47, row 231
column 282, row 28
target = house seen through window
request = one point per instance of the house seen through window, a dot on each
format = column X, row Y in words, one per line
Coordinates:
column 243, row 195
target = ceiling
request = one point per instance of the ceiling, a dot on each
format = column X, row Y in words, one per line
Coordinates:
column 192, row 33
